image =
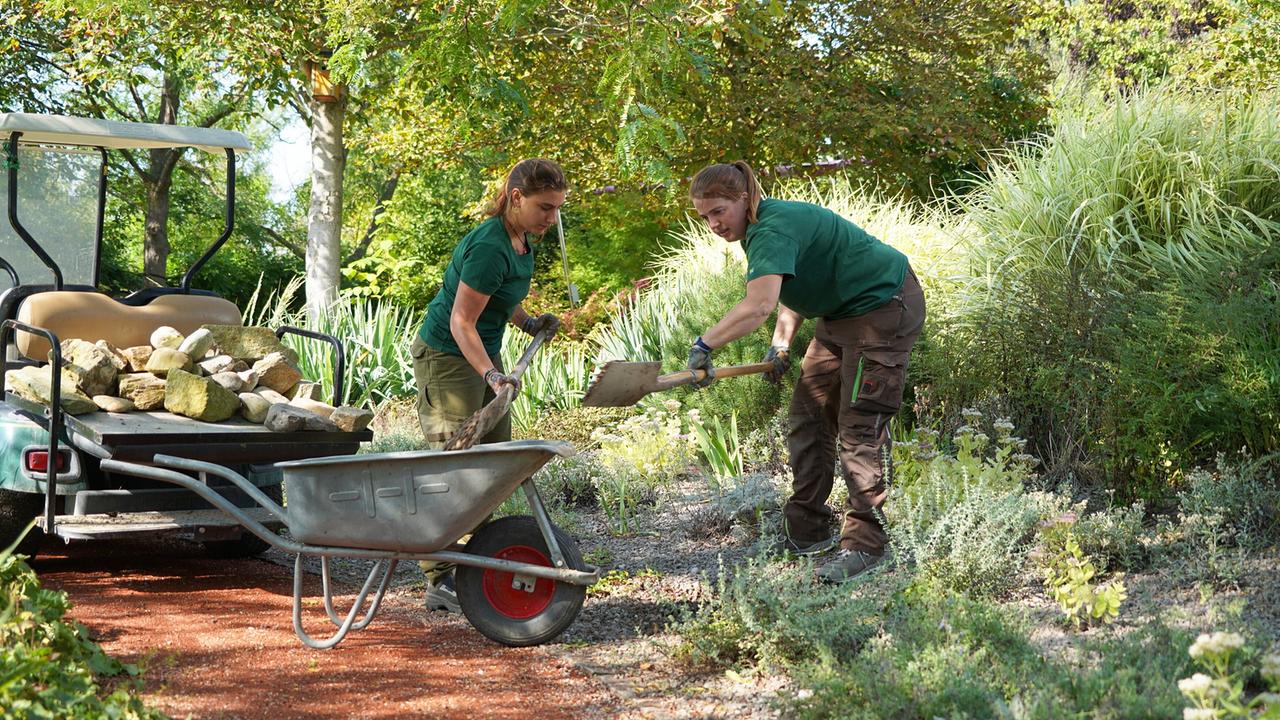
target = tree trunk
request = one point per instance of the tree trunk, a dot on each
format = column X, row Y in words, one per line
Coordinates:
column 157, row 180
column 324, row 220
column 155, row 238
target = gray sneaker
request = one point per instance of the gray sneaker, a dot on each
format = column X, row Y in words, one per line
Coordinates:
column 802, row 548
column 441, row 594
column 848, row 564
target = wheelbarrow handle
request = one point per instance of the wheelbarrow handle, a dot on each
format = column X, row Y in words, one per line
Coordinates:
column 684, row 377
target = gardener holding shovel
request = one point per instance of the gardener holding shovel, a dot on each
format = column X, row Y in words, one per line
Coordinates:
column 809, row 262
column 456, row 363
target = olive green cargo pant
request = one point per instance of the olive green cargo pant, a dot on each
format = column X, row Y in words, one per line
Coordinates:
column 449, row 392
column 849, row 388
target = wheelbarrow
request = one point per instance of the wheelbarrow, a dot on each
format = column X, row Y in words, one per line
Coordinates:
column 520, row 581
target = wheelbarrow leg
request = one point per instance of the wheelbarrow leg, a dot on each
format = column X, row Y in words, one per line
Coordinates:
column 377, row 599
column 346, row 625
column 544, row 522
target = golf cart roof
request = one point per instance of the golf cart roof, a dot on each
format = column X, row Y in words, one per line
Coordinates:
column 65, row 130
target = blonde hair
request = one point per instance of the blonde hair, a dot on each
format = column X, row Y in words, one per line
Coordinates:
column 529, row 176
column 728, row 181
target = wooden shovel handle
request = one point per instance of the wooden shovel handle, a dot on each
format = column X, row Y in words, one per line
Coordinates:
column 684, row 377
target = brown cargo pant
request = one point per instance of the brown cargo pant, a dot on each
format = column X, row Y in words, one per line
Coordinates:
column 450, row 392
column 868, row 354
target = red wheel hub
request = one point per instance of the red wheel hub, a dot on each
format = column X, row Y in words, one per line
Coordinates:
column 509, row 593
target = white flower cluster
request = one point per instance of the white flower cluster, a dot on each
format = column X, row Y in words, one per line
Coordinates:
column 1271, row 668
column 1198, row 685
column 1216, row 644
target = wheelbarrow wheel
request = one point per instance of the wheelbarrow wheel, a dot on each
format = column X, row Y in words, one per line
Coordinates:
column 512, row 609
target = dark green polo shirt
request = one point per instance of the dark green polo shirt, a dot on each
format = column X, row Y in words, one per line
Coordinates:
column 830, row 267
column 487, row 263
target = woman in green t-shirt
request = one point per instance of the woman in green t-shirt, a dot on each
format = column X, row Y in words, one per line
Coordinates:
column 456, row 352
column 456, row 362
column 808, row 262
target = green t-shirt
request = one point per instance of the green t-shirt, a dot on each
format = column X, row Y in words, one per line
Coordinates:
column 487, row 263
column 830, row 267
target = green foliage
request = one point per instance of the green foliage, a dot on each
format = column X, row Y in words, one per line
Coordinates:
column 720, row 446
column 1069, row 577
column 375, row 338
column 1125, row 45
column 555, row 380
column 50, row 666
column 1108, row 282
column 1243, row 494
column 575, row 424
column 641, row 454
column 779, row 615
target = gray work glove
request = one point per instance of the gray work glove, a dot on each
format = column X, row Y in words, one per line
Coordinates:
column 495, row 378
column 546, row 321
column 780, row 356
column 700, row 359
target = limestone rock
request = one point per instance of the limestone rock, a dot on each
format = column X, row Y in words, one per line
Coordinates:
column 88, row 367
column 197, row 344
column 137, row 357
column 272, row 396
column 244, row 343
column 315, row 406
column 198, row 397
column 288, row 418
column 166, row 337
column 112, row 404
column 163, row 360
column 248, row 379
column 144, row 390
column 308, row 390
column 228, row 380
column 254, row 407
column 117, row 357
column 276, row 372
column 351, row 419
column 36, row 384
column 216, row 364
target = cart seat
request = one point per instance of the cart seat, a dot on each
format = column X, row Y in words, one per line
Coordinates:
column 93, row 316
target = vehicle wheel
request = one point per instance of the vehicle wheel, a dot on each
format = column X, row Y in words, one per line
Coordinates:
column 248, row 544
column 16, row 510
column 506, row 610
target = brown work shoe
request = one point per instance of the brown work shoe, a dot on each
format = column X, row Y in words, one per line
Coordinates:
column 787, row 546
column 848, row 564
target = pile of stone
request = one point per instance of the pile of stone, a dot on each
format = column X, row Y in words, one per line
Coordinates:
column 212, row 374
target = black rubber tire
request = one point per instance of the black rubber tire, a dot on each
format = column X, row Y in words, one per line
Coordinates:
column 16, row 510
column 248, row 545
column 510, row 534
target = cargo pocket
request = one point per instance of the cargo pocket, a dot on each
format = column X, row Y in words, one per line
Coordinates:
column 880, row 381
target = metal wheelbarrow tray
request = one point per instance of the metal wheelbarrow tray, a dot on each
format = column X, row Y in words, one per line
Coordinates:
column 520, row 581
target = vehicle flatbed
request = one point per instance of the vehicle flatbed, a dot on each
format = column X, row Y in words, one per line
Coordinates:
column 136, row 436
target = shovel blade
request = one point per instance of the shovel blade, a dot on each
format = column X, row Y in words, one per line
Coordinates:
column 619, row 383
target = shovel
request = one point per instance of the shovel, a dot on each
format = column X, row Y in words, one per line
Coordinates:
column 479, row 424
column 621, row 383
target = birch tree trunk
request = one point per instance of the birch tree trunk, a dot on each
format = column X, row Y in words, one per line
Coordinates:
column 324, row 219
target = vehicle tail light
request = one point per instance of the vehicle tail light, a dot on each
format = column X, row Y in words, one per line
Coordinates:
column 38, row 461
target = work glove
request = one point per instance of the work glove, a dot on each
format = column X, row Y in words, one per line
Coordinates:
column 546, row 321
column 780, row 356
column 495, row 378
column 700, row 359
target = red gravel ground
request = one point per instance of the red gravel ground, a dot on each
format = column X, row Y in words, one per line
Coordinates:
column 215, row 639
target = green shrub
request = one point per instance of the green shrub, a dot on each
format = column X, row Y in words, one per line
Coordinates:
column 963, row 519
column 1110, row 284
column 571, row 481
column 774, row 614
column 51, row 668
column 1116, row 537
column 1069, row 578
column 1245, row 495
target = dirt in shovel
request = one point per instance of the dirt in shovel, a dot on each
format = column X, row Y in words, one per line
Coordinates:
column 215, row 640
